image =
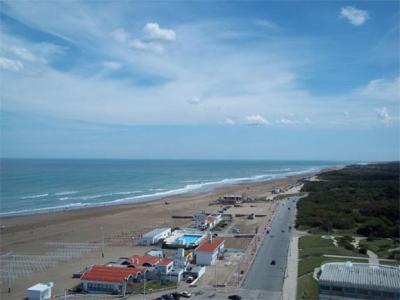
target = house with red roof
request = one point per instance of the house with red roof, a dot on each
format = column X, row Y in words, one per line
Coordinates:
column 161, row 265
column 207, row 252
column 110, row 279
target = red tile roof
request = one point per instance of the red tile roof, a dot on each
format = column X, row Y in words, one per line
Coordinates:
column 208, row 246
column 138, row 260
column 110, row 274
column 165, row 262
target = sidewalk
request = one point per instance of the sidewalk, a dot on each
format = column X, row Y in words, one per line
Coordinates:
column 290, row 284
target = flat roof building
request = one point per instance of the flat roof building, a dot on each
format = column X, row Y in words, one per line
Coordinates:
column 339, row 281
column 40, row 291
column 154, row 236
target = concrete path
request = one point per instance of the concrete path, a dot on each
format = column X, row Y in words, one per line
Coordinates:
column 372, row 258
column 348, row 257
column 290, row 284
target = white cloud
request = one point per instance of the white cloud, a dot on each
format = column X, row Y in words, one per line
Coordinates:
column 229, row 121
column 307, row 121
column 120, row 35
column 286, row 121
column 10, row 64
column 194, row 100
column 256, row 120
column 354, row 15
column 23, row 53
column 153, row 31
column 382, row 89
column 146, row 46
column 265, row 23
column 383, row 115
column 112, row 65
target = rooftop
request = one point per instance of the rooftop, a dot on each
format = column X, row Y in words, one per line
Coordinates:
column 208, row 246
column 110, row 274
column 156, row 231
column 165, row 262
column 361, row 275
column 139, row 260
column 41, row 287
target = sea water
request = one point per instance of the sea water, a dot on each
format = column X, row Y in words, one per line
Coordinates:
column 44, row 185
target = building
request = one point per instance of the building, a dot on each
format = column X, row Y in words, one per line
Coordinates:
column 230, row 199
column 203, row 221
column 110, row 279
column 182, row 258
column 207, row 253
column 340, row 281
column 154, row 236
column 186, row 238
column 40, row 291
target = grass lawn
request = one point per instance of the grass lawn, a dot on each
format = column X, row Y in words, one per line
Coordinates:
column 311, row 251
column 307, row 288
column 154, row 285
column 380, row 246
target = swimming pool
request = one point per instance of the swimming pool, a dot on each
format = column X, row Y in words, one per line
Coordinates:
column 188, row 239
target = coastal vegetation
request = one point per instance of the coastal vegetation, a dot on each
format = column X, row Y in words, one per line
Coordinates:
column 358, row 199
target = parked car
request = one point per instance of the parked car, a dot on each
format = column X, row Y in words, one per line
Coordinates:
column 234, row 297
column 189, row 279
column 186, row 294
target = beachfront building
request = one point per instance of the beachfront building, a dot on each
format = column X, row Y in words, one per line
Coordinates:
column 40, row 291
column 157, row 268
column 207, row 252
column 182, row 258
column 110, row 279
column 185, row 238
column 203, row 221
column 154, row 236
column 230, row 199
column 348, row 281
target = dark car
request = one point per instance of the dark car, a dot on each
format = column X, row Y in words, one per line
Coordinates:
column 273, row 263
column 234, row 297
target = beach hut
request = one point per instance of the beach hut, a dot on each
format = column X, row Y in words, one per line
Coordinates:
column 154, row 236
column 40, row 291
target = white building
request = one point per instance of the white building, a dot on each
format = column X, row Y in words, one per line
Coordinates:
column 350, row 281
column 40, row 291
column 110, row 279
column 204, row 221
column 182, row 259
column 207, row 253
column 154, row 236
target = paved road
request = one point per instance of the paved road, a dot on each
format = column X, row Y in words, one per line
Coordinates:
column 265, row 280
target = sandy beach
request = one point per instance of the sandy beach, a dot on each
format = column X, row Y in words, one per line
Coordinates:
column 29, row 234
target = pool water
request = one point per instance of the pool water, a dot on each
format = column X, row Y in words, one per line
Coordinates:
column 188, row 239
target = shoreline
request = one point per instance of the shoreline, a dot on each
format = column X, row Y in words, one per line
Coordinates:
column 184, row 202
column 197, row 188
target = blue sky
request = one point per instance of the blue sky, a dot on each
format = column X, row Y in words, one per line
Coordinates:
column 200, row 79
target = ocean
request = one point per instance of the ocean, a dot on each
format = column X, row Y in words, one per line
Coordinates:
column 31, row 186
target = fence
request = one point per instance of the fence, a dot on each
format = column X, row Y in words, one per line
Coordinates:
column 13, row 266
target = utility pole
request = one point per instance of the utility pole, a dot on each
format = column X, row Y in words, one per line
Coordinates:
column 102, row 241
column 9, row 273
column 144, row 285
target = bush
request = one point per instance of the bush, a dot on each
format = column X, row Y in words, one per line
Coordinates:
column 363, row 250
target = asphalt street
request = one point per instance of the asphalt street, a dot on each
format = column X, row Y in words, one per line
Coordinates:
column 266, row 278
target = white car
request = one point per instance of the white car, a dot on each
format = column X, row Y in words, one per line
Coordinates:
column 185, row 294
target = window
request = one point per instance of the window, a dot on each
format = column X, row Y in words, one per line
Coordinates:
column 362, row 292
column 324, row 287
column 337, row 288
column 388, row 295
column 349, row 290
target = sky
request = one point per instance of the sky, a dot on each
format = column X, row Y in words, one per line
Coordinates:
column 315, row 80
